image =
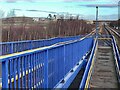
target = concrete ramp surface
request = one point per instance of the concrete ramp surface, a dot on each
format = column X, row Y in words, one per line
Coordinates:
column 104, row 73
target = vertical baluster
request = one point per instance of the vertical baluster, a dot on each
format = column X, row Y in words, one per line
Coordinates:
column 46, row 69
column 35, row 70
column 25, row 60
column 11, row 71
column 27, row 70
column 38, row 72
column 31, row 67
column 38, row 69
column 64, row 51
column 28, row 61
column 14, row 61
column 4, row 48
column 18, row 65
column 5, row 74
column 22, row 72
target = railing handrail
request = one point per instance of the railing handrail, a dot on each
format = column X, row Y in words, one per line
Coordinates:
column 13, row 47
column 36, row 40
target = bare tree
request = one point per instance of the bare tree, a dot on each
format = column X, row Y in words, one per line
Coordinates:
column 30, row 30
column 50, row 16
column 11, row 13
column 55, row 16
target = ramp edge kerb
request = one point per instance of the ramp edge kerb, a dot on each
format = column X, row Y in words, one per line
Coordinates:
column 71, row 75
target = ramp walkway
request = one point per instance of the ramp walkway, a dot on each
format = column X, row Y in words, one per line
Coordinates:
column 104, row 72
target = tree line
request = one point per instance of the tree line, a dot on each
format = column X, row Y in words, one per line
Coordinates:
column 33, row 30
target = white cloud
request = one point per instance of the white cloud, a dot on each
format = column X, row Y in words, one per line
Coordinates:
column 32, row 0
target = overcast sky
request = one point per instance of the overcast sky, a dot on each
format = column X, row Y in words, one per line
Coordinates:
column 108, row 9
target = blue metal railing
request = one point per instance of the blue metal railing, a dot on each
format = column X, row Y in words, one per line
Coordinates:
column 89, row 63
column 42, row 68
column 18, row 46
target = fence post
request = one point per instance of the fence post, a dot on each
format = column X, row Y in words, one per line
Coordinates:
column 72, row 62
column 31, row 46
column 11, row 50
column 46, row 69
column 5, row 74
column 1, row 49
column 64, row 65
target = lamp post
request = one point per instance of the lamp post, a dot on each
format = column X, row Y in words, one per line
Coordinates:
column 96, row 21
column 119, row 15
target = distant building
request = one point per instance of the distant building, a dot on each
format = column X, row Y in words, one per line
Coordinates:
column 89, row 22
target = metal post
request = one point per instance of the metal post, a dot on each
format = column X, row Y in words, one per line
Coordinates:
column 11, row 48
column 96, row 21
column 5, row 74
column 0, row 29
column 46, row 69
column 119, row 15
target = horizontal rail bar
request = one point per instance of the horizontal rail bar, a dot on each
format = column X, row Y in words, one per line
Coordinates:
column 35, row 50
